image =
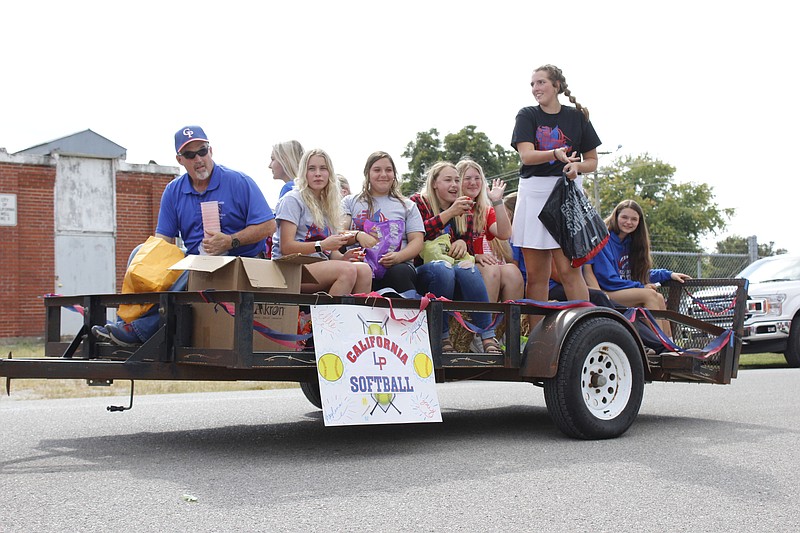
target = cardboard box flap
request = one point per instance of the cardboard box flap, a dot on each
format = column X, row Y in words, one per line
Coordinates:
column 301, row 259
column 263, row 274
column 202, row 263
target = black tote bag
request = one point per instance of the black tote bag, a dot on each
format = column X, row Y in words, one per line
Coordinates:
column 573, row 222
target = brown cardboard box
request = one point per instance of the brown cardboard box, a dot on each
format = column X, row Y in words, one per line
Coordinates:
column 214, row 328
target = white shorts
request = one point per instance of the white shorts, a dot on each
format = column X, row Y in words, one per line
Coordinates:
column 527, row 230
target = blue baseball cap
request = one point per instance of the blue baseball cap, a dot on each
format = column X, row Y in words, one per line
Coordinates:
column 188, row 134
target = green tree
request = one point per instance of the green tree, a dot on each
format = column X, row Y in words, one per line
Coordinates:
column 476, row 145
column 721, row 266
column 427, row 149
column 423, row 153
column 678, row 215
column 735, row 244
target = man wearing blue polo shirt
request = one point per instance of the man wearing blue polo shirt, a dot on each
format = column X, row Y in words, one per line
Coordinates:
column 245, row 220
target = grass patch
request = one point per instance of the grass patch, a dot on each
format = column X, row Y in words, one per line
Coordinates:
column 762, row 360
column 23, row 349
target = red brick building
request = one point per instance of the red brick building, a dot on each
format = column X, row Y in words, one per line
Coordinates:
column 70, row 213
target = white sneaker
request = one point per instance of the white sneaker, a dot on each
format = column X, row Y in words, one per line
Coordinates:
column 476, row 346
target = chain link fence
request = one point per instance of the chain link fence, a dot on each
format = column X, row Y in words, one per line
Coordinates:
column 702, row 265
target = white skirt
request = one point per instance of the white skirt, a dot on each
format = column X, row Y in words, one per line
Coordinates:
column 527, row 230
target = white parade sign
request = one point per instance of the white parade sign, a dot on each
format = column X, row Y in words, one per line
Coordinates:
column 373, row 368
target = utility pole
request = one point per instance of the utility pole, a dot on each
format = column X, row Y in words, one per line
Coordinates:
column 596, row 190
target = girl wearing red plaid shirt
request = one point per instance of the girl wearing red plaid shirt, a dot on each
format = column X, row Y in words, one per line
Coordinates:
column 440, row 205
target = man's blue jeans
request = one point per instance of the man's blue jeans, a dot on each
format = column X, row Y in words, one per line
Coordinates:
column 455, row 283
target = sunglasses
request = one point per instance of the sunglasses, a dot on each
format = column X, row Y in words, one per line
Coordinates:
column 202, row 152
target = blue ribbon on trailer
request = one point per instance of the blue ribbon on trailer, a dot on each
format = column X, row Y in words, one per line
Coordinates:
column 74, row 308
column 715, row 346
column 289, row 340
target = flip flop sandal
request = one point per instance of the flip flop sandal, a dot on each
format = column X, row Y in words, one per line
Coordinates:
column 447, row 346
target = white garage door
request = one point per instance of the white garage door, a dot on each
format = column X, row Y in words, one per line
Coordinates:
column 85, row 223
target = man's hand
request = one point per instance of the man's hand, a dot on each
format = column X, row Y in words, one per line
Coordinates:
column 216, row 243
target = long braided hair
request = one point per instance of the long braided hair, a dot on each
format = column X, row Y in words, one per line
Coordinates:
column 557, row 78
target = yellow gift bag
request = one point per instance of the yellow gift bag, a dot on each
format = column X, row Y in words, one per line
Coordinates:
column 437, row 250
column 148, row 272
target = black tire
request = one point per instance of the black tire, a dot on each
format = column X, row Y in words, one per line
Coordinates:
column 599, row 348
column 311, row 391
column 792, row 353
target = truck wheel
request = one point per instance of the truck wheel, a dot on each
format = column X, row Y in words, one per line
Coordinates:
column 598, row 389
column 792, row 353
column 311, row 391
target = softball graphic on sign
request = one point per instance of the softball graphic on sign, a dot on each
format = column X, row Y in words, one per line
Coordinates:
column 374, row 327
column 423, row 365
column 330, row 367
column 379, row 373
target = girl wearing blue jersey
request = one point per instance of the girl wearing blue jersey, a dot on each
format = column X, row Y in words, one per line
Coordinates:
column 623, row 268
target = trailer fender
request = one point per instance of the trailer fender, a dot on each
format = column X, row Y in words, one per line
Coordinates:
column 540, row 357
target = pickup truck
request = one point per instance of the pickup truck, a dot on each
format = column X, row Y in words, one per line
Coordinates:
column 772, row 322
column 589, row 361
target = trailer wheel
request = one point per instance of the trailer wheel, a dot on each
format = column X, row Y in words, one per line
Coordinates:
column 598, row 389
column 311, row 391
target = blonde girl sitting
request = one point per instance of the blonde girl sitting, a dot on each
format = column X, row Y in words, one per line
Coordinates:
column 309, row 223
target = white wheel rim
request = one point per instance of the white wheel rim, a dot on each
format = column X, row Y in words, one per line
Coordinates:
column 606, row 382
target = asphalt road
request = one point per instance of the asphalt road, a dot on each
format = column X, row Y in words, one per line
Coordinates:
column 698, row 457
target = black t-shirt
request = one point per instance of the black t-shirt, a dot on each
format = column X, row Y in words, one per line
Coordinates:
column 567, row 129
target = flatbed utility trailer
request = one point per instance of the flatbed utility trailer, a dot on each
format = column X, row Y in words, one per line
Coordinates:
column 590, row 361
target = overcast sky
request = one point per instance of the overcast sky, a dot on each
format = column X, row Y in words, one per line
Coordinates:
column 708, row 87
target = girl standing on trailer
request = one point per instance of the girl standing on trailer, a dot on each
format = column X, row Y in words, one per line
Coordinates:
column 551, row 139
